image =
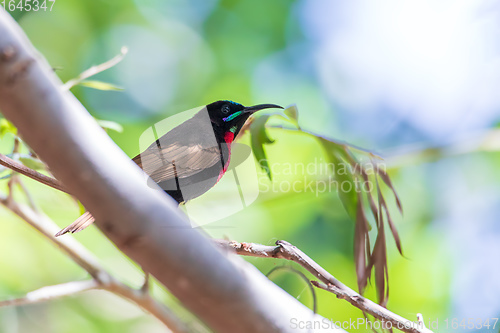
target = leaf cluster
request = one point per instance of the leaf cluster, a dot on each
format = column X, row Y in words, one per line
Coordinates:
column 362, row 198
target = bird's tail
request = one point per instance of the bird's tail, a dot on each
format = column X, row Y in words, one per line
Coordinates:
column 81, row 223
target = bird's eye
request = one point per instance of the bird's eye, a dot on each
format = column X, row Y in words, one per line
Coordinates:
column 226, row 109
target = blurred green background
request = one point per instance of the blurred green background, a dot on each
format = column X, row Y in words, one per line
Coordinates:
column 395, row 76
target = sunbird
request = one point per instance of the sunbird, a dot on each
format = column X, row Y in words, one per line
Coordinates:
column 191, row 158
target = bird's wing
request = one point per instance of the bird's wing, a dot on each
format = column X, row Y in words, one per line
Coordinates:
column 164, row 163
column 177, row 159
column 184, row 151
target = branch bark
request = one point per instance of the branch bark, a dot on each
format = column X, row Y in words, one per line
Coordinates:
column 224, row 291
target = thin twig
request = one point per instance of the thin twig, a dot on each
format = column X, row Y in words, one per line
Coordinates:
column 13, row 178
column 52, row 292
column 24, row 170
column 398, row 157
column 285, row 250
column 316, row 135
column 87, row 261
column 27, row 194
column 375, row 310
column 95, row 70
column 10, row 186
column 16, row 180
column 480, row 141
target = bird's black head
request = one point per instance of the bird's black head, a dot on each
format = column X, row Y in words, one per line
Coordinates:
column 230, row 116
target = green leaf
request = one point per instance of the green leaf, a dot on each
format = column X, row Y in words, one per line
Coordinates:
column 99, row 85
column 81, row 208
column 347, row 193
column 292, row 112
column 259, row 138
column 259, row 129
column 343, row 176
column 7, row 127
column 32, row 162
column 111, row 125
column 6, row 176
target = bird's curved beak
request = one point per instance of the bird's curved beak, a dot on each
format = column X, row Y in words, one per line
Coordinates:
column 255, row 108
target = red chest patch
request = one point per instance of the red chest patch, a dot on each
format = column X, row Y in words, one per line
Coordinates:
column 228, row 138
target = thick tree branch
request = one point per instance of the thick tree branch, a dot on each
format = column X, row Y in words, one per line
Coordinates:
column 227, row 293
column 285, row 250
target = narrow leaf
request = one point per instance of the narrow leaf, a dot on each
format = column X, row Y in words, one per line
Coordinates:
column 259, row 137
column 387, row 180
column 369, row 196
column 7, row 127
column 32, row 162
column 99, row 85
column 360, row 247
column 111, row 125
column 81, row 208
column 380, row 255
column 393, row 228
